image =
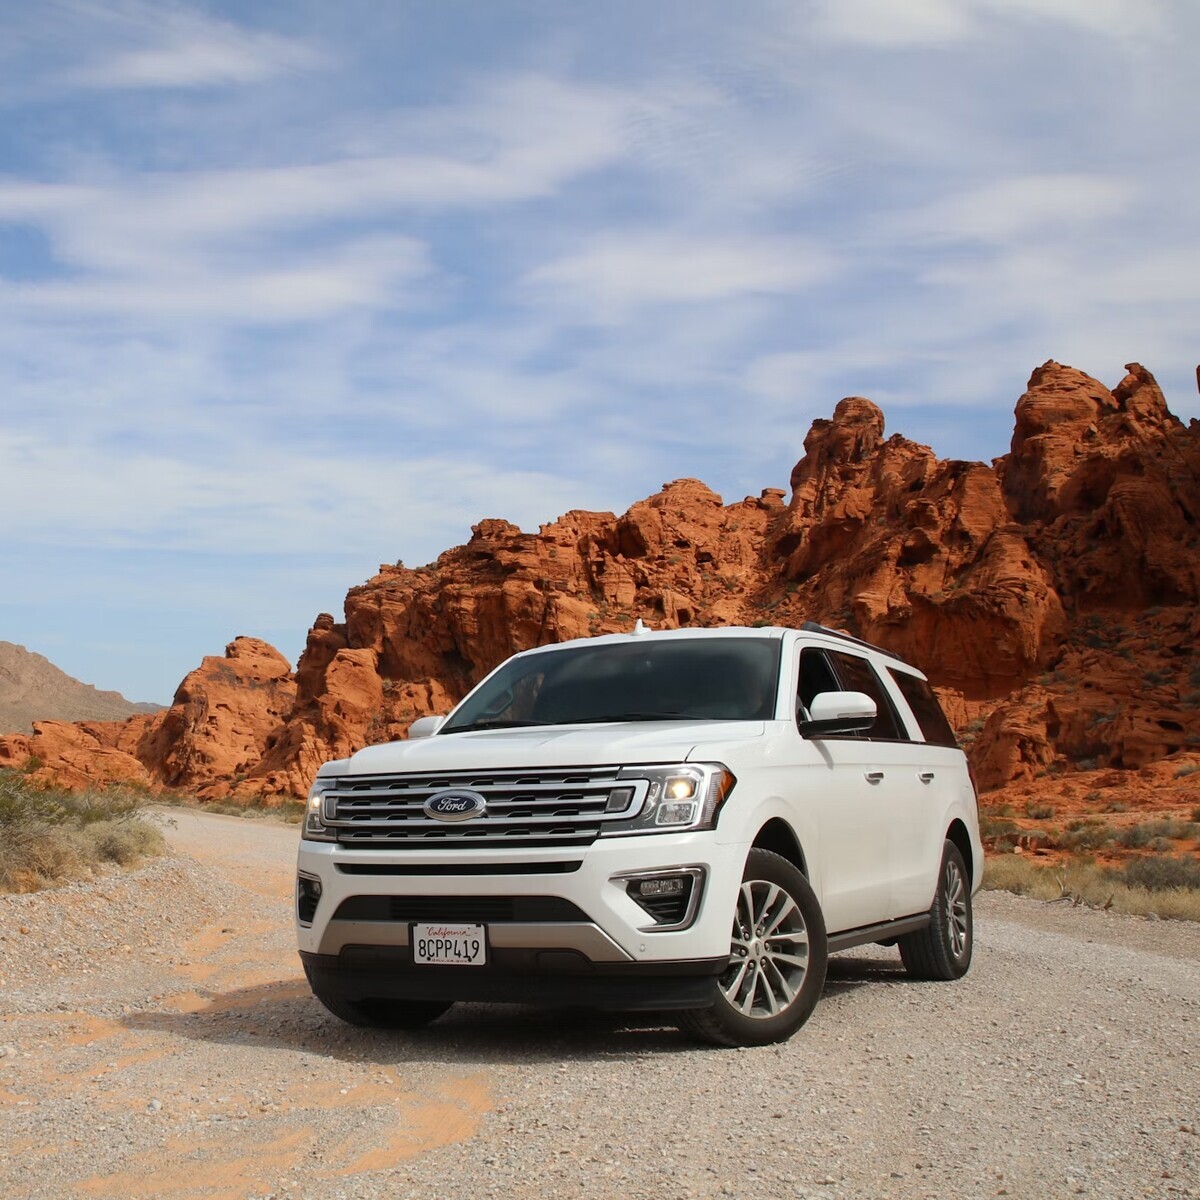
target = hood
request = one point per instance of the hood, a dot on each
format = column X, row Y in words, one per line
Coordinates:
column 559, row 746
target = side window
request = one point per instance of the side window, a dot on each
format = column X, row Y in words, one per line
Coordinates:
column 920, row 698
column 856, row 675
column 816, row 676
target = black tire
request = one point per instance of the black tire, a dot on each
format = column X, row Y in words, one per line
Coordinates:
column 943, row 949
column 777, row 960
column 380, row 1014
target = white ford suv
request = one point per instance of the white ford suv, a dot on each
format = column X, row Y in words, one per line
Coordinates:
column 686, row 821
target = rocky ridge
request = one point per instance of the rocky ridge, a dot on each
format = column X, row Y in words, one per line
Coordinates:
column 1052, row 597
column 32, row 687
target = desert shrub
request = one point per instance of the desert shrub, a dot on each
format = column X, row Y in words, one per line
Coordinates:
column 48, row 835
column 125, row 842
column 1159, row 873
column 1141, row 888
column 1087, row 835
column 1039, row 812
column 1170, row 828
column 990, row 826
column 1165, row 831
column 1135, row 837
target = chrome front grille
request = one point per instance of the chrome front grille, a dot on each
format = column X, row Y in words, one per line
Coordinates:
column 559, row 808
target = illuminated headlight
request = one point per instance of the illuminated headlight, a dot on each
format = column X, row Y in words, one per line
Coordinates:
column 315, row 829
column 687, row 796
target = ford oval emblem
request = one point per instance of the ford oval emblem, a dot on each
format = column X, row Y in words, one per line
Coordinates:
column 455, row 804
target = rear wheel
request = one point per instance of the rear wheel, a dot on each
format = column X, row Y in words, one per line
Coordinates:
column 777, row 960
column 380, row 1014
column 943, row 949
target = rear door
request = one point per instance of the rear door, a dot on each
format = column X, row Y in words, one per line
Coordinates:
column 892, row 827
column 940, row 782
column 846, row 792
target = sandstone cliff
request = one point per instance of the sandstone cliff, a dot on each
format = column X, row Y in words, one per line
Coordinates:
column 1051, row 595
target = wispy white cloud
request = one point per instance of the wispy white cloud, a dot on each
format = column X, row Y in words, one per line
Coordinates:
column 257, row 500
column 378, row 271
column 885, row 23
column 499, row 149
column 148, row 45
column 1128, row 20
column 912, row 24
column 285, row 242
column 1008, row 210
column 612, row 275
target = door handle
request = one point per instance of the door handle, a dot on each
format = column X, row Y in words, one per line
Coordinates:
column 925, row 776
column 874, row 776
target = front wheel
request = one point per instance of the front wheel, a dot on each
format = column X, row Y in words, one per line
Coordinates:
column 943, row 949
column 777, row 958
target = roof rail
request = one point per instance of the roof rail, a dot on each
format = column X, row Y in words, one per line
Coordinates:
column 815, row 627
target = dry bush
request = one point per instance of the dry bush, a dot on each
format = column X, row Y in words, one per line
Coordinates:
column 50, row 835
column 1149, row 832
column 1158, row 885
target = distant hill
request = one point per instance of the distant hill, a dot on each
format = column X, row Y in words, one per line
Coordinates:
column 32, row 689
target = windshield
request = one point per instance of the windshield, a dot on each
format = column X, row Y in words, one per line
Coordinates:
column 685, row 679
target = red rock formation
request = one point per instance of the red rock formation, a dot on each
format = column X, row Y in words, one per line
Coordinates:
column 225, row 716
column 81, row 755
column 916, row 554
column 1052, row 598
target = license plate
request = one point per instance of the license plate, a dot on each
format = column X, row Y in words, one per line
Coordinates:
column 450, row 945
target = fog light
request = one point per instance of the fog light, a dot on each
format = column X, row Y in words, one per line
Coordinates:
column 308, row 896
column 661, row 887
column 671, row 898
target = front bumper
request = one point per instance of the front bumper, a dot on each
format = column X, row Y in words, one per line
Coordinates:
column 549, row 977
column 601, row 948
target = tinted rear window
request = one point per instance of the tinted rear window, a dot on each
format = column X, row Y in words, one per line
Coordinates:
column 925, row 707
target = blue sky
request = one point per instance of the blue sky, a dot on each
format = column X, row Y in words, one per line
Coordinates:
column 291, row 289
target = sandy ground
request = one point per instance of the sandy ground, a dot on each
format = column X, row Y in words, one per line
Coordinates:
column 157, row 1040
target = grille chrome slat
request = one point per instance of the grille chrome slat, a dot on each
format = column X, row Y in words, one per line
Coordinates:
column 550, row 808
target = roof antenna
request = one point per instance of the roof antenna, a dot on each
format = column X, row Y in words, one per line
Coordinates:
column 639, row 628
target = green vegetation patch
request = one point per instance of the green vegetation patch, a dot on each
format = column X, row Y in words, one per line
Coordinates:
column 51, row 835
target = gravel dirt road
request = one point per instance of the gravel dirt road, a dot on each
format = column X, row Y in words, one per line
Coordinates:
column 157, row 1040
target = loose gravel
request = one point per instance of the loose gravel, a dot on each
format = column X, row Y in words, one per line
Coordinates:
column 157, row 1040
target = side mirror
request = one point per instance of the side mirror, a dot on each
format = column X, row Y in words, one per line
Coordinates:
column 838, row 712
column 424, row 727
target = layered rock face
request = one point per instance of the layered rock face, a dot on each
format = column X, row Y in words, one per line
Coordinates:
column 1051, row 596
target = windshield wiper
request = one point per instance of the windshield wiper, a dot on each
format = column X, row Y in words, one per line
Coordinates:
column 616, row 718
column 493, row 724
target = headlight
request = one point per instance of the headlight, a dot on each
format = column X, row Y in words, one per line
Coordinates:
column 683, row 797
column 315, row 829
